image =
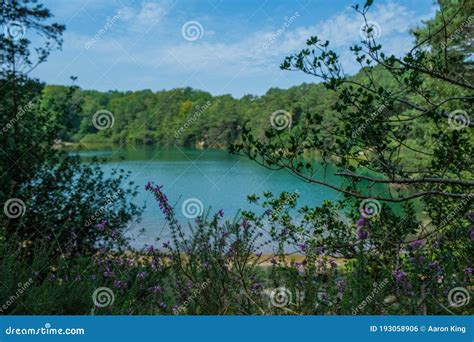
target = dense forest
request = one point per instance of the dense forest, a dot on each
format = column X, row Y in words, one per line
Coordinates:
column 183, row 117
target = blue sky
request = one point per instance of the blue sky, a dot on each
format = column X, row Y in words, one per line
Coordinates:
column 238, row 46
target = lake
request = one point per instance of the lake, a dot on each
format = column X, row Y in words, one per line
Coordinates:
column 214, row 177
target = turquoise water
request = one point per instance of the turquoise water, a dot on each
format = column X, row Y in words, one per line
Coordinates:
column 214, row 177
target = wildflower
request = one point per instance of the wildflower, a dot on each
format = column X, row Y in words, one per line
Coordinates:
column 221, row 212
column 101, row 226
column 468, row 270
column 166, row 245
column 255, row 287
column 360, row 222
column 150, row 249
column 245, row 223
column 206, row 265
column 148, row 186
column 332, row 263
column 362, row 233
column 302, row 246
column 471, row 233
column 108, row 273
column 399, row 275
column 141, row 275
column 416, row 244
column 162, row 305
column 162, row 200
column 341, row 286
column 156, row 289
column 119, row 284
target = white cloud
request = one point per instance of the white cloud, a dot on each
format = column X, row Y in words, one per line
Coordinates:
column 255, row 54
column 258, row 53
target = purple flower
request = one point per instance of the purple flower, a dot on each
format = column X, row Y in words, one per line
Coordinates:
column 362, row 233
column 471, row 233
column 148, row 186
column 101, row 226
column 119, row 284
column 162, row 305
column 468, row 270
column 150, row 249
column 166, row 245
column 341, row 286
column 332, row 263
column 255, row 287
column 162, row 200
column 434, row 265
column 156, row 289
column 360, row 222
column 141, row 275
column 221, row 212
column 206, row 265
column 416, row 244
column 302, row 246
column 108, row 273
column 245, row 223
column 399, row 275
